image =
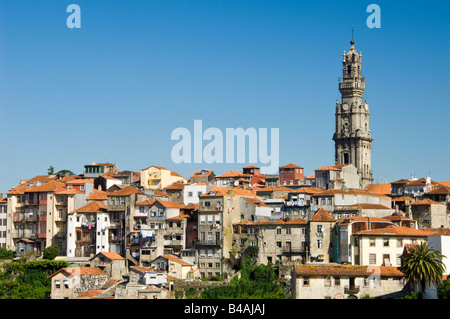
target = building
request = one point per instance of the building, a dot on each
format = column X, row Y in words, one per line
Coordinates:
column 291, row 175
column 337, row 177
column 120, row 206
column 231, row 178
column 174, row 266
column 384, row 246
column 36, row 212
column 94, row 170
column 112, row 264
column 68, row 283
column 277, row 240
column 203, row 176
column 352, row 138
column 3, row 220
column 219, row 209
column 347, row 282
column 429, row 214
column 321, row 241
column 88, row 230
column 159, row 177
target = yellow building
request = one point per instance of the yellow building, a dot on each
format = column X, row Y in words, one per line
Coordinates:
column 157, row 177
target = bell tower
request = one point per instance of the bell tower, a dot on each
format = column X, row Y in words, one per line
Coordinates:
column 352, row 137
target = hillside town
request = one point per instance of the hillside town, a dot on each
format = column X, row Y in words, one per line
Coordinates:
column 151, row 233
column 145, row 234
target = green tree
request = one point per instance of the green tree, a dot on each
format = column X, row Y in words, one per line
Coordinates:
column 51, row 170
column 6, row 254
column 64, row 172
column 256, row 282
column 423, row 265
column 443, row 290
column 51, row 252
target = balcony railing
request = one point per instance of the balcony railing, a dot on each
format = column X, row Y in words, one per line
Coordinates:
column 351, row 289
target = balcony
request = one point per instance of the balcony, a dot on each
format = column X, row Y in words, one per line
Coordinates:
column 18, row 234
column 351, row 290
column 42, row 202
column 31, row 202
column 42, row 218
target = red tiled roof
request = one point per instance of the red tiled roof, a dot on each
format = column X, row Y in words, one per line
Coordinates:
column 126, row 191
column 230, row 174
column 112, row 255
column 395, row 231
column 322, row 216
column 345, row 270
column 290, row 165
column 176, row 260
column 426, row 201
column 384, row 189
column 80, row 271
column 97, row 195
column 92, row 207
column 90, row 293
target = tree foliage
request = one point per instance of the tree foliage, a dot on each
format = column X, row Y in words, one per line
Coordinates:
column 51, row 252
column 443, row 290
column 423, row 265
column 6, row 254
column 28, row 280
column 256, row 282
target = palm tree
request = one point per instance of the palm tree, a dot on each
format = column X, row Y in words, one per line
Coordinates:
column 423, row 265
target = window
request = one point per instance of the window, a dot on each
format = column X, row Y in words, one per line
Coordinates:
column 305, row 281
column 337, row 281
column 278, row 231
column 66, row 283
column 319, row 243
column 400, row 242
column 372, row 242
column 189, row 194
column 207, row 204
column 386, row 242
column 372, row 259
column 58, row 283
column 202, row 219
column 288, row 231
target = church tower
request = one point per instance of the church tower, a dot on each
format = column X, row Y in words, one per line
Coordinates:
column 352, row 137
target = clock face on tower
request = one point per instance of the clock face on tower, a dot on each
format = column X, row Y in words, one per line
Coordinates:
column 345, row 107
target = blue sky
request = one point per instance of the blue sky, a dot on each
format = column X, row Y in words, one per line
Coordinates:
column 115, row 89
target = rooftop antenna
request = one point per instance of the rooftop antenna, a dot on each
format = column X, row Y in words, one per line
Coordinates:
column 352, row 32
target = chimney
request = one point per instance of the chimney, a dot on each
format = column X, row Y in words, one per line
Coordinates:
column 369, row 223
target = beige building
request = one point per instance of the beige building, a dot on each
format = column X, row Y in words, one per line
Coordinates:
column 157, row 177
column 175, row 267
column 337, row 177
column 321, row 237
column 219, row 209
column 68, row 283
column 347, row 282
column 38, row 208
column 384, row 246
column 112, row 264
column 429, row 214
column 277, row 240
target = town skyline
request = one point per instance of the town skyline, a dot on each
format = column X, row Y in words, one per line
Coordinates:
column 121, row 79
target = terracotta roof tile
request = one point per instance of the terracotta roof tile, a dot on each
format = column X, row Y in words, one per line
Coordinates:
column 290, row 165
column 126, row 191
column 395, row 231
column 426, row 201
column 322, row 215
column 345, row 270
column 92, row 207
